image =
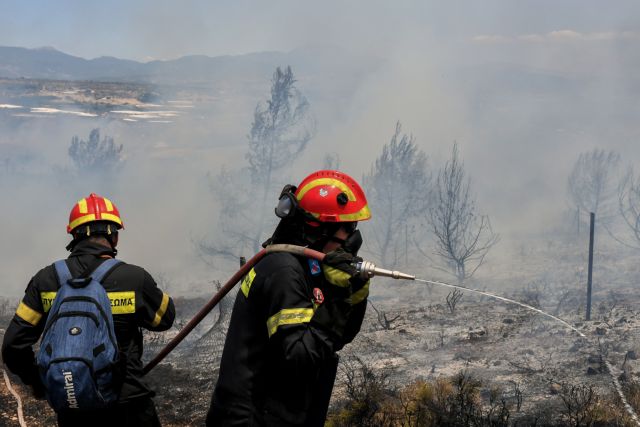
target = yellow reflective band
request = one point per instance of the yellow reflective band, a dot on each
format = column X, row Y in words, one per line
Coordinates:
column 110, row 217
column 163, row 308
column 123, row 302
column 361, row 294
column 360, row 215
column 336, row 277
column 327, row 181
column 82, row 206
column 108, row 204
column 28, row 314
column 247, row 282
column 47, row 299
column 288, row 316
column 79, row 221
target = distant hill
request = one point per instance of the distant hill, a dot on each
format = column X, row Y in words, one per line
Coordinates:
column 48, row 63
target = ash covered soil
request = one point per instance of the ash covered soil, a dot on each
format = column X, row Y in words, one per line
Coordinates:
column 413, row 334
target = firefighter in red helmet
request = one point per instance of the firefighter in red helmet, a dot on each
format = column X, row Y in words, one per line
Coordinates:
column 136, row 302
column 293, row 314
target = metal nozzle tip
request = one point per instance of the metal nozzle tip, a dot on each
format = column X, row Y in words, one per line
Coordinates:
column 399, row 275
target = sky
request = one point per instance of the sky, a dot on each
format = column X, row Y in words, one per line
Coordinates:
column 163, row 29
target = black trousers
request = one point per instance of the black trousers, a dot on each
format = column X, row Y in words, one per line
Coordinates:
column 136, row 413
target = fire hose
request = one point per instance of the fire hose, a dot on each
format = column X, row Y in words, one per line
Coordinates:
column 365, row 269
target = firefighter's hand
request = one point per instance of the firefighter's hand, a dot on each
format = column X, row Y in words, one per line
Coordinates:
column 339, row 270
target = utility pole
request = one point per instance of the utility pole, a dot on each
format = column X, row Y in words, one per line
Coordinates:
column 590, row 273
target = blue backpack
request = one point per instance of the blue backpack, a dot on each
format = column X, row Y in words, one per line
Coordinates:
column 78, row 356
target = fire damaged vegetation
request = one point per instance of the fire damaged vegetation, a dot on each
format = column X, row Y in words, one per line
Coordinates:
column 437, row 376
column 370, row 398
column 581, row 404
column 385, row 321
column 489, row 364
column 182, row 395
column 463, row 237
column 95, row 154
column 632, row 391
column 453, row 298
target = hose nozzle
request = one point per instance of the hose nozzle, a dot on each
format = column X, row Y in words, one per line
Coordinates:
column 368, row 269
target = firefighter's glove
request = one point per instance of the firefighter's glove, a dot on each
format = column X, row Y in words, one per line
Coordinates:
column 339, row 270
column 348, row 289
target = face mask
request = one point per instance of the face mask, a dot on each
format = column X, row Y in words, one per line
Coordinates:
column 353, row 243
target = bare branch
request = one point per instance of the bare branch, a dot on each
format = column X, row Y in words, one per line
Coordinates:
column 398, row 190
column 590, row 184
column 463, row 238
column 282, row 128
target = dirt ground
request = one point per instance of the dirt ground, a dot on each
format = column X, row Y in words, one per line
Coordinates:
column 423, row 338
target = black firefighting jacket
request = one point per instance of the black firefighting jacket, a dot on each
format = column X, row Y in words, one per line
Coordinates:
column 136, row 302
column 278, row 367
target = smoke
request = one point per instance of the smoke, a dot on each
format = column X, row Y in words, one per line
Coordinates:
column 521, row 93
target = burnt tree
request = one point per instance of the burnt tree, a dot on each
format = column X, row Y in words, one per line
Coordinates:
column 463, row 237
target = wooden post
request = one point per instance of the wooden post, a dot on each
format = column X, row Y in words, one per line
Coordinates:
column 590, row 273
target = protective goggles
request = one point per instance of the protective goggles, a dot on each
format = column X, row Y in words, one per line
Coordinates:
column 287, row 204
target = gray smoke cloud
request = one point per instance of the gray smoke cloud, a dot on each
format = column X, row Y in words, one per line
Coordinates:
column 522, row 88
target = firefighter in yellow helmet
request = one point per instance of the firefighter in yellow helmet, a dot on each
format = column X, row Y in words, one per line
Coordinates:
column 135, row 300
column 293, row 314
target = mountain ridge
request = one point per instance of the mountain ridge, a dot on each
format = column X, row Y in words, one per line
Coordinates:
column 50, row 63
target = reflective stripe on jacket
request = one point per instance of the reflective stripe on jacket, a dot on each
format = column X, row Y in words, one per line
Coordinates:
column 136, row 302
column 277, row 368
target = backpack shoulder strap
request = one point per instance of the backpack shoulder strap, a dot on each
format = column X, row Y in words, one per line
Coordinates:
column 62, row 270
column 104, row 268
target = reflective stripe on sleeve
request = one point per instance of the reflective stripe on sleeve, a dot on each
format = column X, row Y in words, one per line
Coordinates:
column 288, row 316
column 360, row 294
column 163, row 308
column 28, row 314
column 336, row 277
column 247, row 282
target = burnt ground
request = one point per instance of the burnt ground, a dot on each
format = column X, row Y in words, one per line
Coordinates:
column 36, row 412
column 182, row 394
column 504, row 346
column 500, row 346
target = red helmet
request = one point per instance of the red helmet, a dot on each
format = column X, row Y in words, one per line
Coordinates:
column 91, row 209
column 332, row 196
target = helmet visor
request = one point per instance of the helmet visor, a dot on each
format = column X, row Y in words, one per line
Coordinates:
column 286, row 206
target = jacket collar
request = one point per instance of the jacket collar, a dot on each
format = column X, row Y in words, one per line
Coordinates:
column 87, row 247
